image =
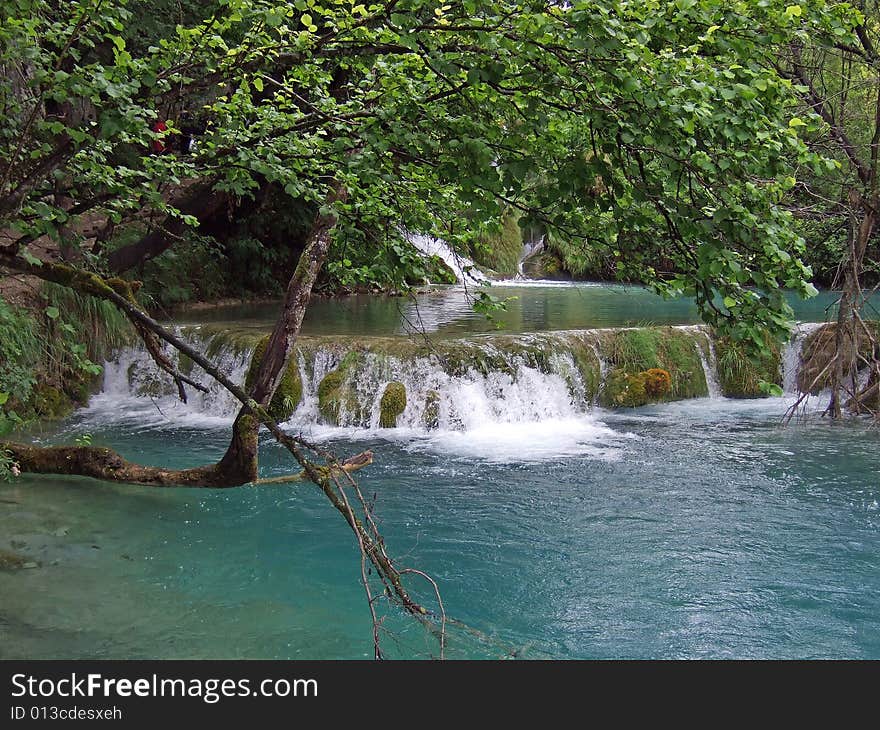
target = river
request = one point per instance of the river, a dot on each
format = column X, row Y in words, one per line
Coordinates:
column 694, row 529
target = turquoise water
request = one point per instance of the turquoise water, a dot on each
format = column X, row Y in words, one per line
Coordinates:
column 530, row 308
column 692, row 530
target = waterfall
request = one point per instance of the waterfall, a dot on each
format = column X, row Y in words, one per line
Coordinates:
column 710, row 367
column 791, row 355
column 465, row 270
column 465, row 385
column 529, row 249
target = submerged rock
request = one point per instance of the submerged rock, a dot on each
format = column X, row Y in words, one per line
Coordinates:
column 335, row 391
column 431, row 414
column 13, row 561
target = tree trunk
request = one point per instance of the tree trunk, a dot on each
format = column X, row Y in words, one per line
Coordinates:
column 240, row 459
column 844, row 381
column 239, row 464
column 201, row 201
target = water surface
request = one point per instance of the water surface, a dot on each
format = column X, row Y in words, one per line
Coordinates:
column 692, row 530
column 448, row 311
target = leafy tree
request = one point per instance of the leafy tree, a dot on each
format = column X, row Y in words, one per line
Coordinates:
column 606, row 120
column 836, row 75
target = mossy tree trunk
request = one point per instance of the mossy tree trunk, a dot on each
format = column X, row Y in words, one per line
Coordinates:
column 240, row 459
column 239, row 464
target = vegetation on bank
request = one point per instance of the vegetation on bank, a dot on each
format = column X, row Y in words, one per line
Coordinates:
column 49, row 352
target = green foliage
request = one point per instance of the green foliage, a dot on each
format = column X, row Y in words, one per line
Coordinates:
column 20, row 351
column 96, row 323
column 47, row 353
column 8, row 466
column 192, row 270
column 361, row 260
column 744, row 373
column 654, row 132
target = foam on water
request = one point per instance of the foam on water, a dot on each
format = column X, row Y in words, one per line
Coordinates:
column 521, row 399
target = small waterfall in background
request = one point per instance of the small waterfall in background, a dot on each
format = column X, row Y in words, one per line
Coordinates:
column 791, row 355
column 529, row 249
column 710, row 366
column 465, row 270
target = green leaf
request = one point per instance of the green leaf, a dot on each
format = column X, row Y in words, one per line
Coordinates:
column 52, row 312
column 30, row 258
column 771, row 389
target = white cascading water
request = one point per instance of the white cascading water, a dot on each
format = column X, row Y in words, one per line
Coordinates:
column 511, row 399
column 465, row 270
column 519, row 412
column 791, row 355
column 529, row 249
column 710, row 363
column 134, row 389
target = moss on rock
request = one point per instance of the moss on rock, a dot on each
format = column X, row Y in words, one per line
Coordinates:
column 289, row 391
column 740, row 373
column 392, row 404
column 334, row 391
column 589, row 367
column 499, row 250
column 634, row 352
column 630, row 390
column 50, row 403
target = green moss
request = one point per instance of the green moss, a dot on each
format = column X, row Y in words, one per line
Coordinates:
column 740, row 372
column 289, row 391
column 392, row 404
column 634, row 351
column 630, row 390
column 334, row 390
column 499, row 250
column 431, row 414
column 589, row 367
column 50, row 403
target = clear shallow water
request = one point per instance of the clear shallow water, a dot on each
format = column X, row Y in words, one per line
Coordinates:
column 700, row 529
column 448, row 311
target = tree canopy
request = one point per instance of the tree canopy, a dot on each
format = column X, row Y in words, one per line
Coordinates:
column 638, row 129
